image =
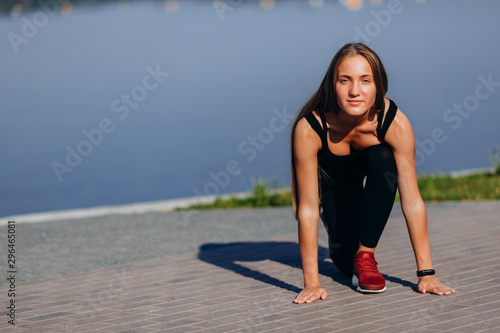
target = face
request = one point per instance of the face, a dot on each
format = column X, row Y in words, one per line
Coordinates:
column 355, row 87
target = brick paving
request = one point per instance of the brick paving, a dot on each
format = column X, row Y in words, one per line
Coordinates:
column 248, row 286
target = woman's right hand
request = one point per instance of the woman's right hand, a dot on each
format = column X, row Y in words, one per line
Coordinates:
column 310, row 294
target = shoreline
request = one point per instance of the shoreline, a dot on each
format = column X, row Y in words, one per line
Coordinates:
column 168, row 205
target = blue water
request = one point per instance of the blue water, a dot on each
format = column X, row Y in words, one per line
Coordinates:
column 215, row 115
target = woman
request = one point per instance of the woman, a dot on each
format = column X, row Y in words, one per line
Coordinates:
column 347, row 131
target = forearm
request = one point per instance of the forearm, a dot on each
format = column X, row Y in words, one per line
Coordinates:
column 416, row 220
column 308, row 243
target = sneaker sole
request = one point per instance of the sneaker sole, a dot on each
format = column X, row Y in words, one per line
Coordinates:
column 355, row 283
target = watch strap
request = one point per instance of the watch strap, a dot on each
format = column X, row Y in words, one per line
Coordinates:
column 426, row 272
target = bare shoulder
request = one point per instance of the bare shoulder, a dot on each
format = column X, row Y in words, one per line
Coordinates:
column 304, row 131
column 400, row 132
column 305, row 136
column 401, row 121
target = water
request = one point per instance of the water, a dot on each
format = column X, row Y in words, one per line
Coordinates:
column 176, row 97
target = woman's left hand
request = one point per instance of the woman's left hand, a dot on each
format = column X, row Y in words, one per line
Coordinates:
column 430, row 284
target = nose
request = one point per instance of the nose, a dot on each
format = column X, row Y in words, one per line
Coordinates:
column 354, row 89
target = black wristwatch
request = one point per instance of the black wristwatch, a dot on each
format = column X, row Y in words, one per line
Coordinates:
column 426, row 272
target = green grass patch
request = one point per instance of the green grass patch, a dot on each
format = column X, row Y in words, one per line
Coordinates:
column 479, row 186
column 261, row 196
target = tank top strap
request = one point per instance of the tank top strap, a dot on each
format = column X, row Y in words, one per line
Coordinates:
column 322, row 132
column 391, row 113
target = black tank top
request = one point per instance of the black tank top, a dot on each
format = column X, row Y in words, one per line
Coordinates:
column 345, row 169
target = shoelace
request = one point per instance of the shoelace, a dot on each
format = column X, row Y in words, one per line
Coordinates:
column 367, row 265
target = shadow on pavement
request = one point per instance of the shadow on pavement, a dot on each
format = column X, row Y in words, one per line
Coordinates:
column 228, row 256
column 402, row 282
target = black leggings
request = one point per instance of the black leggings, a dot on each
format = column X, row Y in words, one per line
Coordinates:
column 354, row 213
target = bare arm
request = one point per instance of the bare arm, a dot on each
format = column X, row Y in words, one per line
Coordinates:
column 306, row 145
column 400, row 136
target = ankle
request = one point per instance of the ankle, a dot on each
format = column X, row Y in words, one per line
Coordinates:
column 363, row 248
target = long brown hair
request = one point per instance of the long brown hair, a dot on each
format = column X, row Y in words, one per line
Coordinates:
column 325, row 98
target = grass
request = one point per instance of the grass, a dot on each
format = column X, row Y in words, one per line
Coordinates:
column 495, row 159
column 480, row 186
column 261, row 196
column 433, row 188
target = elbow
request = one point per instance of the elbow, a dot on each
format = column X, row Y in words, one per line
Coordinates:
column 308, row 214
column 413, row 207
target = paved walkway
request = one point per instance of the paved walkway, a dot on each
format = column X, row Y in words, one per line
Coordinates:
column 239, row 270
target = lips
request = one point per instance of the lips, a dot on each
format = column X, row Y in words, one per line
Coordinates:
column 354, row 102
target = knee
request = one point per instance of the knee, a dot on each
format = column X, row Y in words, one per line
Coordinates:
column 381, row 155
column 381, row 166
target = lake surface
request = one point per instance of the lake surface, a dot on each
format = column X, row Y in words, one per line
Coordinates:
column 149, row 100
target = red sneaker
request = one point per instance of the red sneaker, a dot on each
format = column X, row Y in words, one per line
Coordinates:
column 366, row 276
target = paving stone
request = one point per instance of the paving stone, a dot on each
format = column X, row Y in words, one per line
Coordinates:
column 248, row 284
